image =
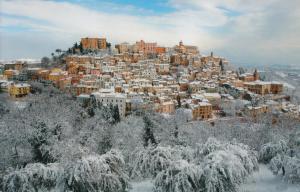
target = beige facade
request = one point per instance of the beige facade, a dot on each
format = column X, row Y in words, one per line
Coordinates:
column 93, row 43
column 201, row 110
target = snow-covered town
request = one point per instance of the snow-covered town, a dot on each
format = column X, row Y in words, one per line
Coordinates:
column 146, row 76
column 149, row 96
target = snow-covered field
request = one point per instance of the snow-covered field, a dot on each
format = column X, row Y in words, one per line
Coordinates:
column 143, row 186
column 265, row 181
column 262, row 181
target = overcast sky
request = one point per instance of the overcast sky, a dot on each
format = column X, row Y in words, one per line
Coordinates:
column 245, row 31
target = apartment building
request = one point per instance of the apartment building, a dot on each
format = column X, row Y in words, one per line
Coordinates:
column 263, row 87
column 19, row 90
column 142, row 46
column 201, row 110
column 107, row 97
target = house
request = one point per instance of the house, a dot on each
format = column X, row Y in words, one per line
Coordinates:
column 19, row 90
column 167, row 107
column 256, row 111
column 201, row 110
column 107, row 97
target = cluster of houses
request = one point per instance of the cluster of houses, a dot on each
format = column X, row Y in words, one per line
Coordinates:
column 146, row 76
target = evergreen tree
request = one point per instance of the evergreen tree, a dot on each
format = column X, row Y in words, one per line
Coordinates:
column 76, row 45
column 222, row 65
column 80, row 47
column 39, row 139
column 148, row 135
column 176, row 132
column 106, row 141
column 116, row 114
column 178, row 101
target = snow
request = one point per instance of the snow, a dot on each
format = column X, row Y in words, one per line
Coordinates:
column 264, row 180
column 143, row 186
column 281, row 74
column 261, row 181
column 288, row 85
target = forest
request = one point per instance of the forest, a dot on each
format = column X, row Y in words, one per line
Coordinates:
column 56, row 143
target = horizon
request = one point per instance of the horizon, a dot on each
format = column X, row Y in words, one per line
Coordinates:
column 249, row 33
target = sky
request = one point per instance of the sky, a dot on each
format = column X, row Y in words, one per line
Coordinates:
column 258, row 32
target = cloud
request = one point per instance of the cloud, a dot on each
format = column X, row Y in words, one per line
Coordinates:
column 246, row 30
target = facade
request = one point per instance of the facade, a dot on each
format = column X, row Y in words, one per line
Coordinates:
column 263, row 88
column 162, row 68
column 123, row 47
column 93, row 43
column 19, row 90
column 160, row 50
column 276, row 87
column 202, row 110
column 146, row 48
column 167, row 107
column 256, row 111
column 108, row 97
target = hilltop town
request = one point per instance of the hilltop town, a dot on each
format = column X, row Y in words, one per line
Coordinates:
column 147, row 77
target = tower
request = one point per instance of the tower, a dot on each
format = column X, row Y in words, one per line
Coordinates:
column 180, row 43
column 256, row 75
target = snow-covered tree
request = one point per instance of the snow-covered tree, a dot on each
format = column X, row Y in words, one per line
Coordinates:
column 148, row 162
column 91, row 173
column 270, row 150
column 98, row 173
column 179, row 177
column 35, row 177
column 148, row 135
column 226, row 165
column 288, row 167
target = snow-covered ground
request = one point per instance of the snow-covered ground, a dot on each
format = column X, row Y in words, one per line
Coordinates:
column 261, row 181
column 265, row 181
column 143, row 186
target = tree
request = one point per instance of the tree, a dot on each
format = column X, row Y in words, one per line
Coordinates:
column 98, row 173
column 270, row 150
column 75, row 45
column 222, row 66
column 39, row 141
column 58, row 51
column 91, row 173
column 45, row 61
column 108, row 45
column 148, row 162
column 179, row 177
column 80, row 47
column 148, row 135
column 116, row 114
column 178, row 101
column 189, row 91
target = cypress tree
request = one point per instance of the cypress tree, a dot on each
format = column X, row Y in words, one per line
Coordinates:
column 148, row 135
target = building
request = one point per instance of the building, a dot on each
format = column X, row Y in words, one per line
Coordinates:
column 167, row 107
column 147, row 48
column 107, row 97
column 263, row 88
column 123, row 47
column 276, row 87
column 160, row 50
column 162, row 68
column 10, row 73
column 19, row 90
column 201, row 110
column 247, row 77
column 256, row 111
column 186, row 49
column 93, row 43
